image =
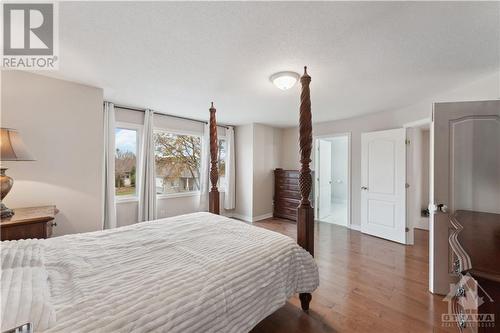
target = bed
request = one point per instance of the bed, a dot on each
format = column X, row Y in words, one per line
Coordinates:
column 199, row 272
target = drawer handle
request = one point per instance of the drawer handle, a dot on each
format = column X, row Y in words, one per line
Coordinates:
column 53, row 224
column 460, row 292
column 462, row 322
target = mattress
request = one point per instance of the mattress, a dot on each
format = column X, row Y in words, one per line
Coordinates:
column 191, row 273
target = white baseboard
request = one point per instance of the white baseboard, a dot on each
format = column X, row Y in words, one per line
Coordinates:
column 262, row 217
column 250, row 218
column 421, row 227
column 422, row 223
column 356, row 227
column 240, row 217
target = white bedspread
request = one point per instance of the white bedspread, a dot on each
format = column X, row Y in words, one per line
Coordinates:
column 191, row 273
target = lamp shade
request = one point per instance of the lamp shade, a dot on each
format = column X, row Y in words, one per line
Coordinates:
column 13, row 147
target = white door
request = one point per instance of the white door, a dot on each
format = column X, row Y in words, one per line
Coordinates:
column 465, row 175
column 325, row 178
column 383, row 180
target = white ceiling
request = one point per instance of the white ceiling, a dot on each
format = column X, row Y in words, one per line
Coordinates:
column 363, row 57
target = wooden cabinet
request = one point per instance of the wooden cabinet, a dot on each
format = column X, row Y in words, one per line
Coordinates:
column 31, row 222
column 286, row 194
column 475, row 243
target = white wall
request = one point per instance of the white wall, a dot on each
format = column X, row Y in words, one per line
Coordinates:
column 258, row 153
column 244, row 171
column 486, row 88
column 266, row 158
column 425, row 180
column 62, row 125
column 418, row 193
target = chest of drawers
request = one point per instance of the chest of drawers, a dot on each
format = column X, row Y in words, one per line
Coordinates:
column 287, row 193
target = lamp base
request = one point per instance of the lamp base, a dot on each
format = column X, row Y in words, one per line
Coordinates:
column 5, row 212
column 5, row 185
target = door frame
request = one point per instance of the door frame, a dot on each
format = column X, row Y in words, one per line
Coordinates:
column 411, row 127
column 324, row 152
column 315, row 159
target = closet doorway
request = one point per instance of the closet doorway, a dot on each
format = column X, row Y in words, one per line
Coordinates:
column 333, row 179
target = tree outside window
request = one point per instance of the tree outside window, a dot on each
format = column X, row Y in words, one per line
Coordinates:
column 222, row 164
column 125, row 161
column 177, row 162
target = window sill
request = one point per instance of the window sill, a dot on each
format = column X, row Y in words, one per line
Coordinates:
column 126, row 200
column 177, row 195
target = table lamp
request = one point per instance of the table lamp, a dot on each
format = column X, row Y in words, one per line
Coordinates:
column 12, row 148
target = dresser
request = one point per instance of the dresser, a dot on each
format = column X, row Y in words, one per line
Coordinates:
column 475, row 243
column 29, row 222
column 287, row 193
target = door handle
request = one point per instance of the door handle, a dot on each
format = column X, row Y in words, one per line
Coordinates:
column 438, row 208
column 442, row 208
column 364, row 188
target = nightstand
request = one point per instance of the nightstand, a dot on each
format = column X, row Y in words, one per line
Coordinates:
column 31, row 222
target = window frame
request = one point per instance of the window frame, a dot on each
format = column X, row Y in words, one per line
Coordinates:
column 138, row 160
column 179, row 132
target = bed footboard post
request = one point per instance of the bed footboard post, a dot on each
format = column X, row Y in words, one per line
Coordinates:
column 213, row 196
column 305, row 299
column 305, row 212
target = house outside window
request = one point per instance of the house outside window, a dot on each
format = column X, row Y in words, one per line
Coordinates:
column 127, row 149
column 222, row 152
column 177, row 163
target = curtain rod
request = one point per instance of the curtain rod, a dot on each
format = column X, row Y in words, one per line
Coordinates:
column 164, row 114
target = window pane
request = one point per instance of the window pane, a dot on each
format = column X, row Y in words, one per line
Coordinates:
column 125, row 161
column 222, row 165
column 177, row 162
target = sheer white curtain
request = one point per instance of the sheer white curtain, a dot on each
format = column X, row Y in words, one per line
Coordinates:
column 109, row 207
column 147, row 199
column 230, row 195
column 205, row 167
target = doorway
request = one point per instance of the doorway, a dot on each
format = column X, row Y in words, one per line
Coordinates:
column 333, row 199
column 418, row 176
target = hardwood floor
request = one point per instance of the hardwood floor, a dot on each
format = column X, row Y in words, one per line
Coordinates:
column 367, row 284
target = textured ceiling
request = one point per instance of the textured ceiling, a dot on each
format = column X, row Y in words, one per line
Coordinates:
column 363, row 57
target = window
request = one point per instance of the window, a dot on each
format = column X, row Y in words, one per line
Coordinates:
column 222, row 164
column 127, row 150
column 177, row 162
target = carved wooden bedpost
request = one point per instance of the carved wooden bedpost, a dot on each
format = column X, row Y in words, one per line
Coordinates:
column 305, row 212
column 213, row 196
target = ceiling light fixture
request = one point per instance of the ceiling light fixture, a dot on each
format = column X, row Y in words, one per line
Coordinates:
column 284, row 80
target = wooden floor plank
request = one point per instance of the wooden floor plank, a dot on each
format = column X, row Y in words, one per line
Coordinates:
column 367, row 284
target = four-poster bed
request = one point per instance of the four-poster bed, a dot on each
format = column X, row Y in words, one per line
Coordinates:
column 198, row 272
column 305, row 212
